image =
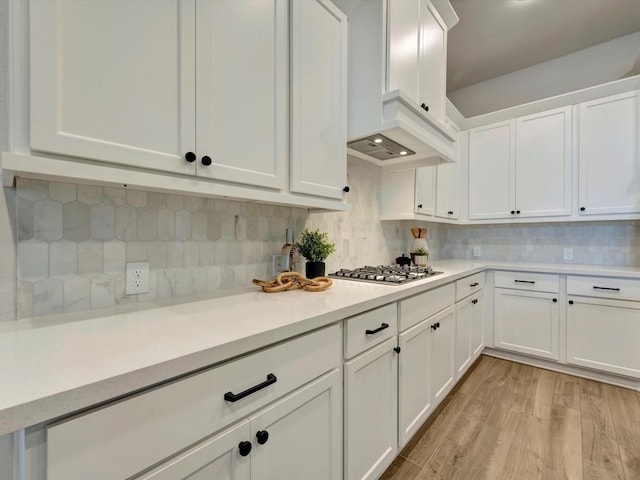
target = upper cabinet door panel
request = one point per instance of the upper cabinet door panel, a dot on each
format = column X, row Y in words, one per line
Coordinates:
column 609, row 162
column 318, row 99
column 242, row 86
column 491, row 176
column 433, row 57
column 404, row 47
column 112, row 81
column 543, row 163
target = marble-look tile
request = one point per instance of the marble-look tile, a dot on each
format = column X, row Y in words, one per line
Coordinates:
column 125, row 223
column 62, row 192
column 114, row 196
column 33, row 260
column 200, row 279
column 136, row 198
column 157, row 255
column 240, row 228
column 184, row 282
column 89, row 194
column 77, row 294
column 31, row 190
column 137, row 251
column 246, row 253
column 175, row 202
column 120, row 287
column 228, row 277
column 192, row 204
column 166, row 281
column 102, row 291
column 76, row 220
column 263, row 228
column 156, row 199
column 47, row 220
column 183, row 225
column 199, row 225
column 175, row 254
column 90, row 259
column 103, row 222
column 63, row 259
column 252, row 228
column 214, row 225
column 220, row 252
column 146, row 229
column 191, row 254
column 207, row 253
column 24, row 301
column 114, row 257
column 166, row 224
column 152, row 294
column 24, row 219
column 214, row 278
column 228, row 226
column 48, row 296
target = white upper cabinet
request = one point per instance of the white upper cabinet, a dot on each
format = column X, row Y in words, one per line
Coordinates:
column 408, row 194
column 425, row 190
column 318, row 99
column 241, row 86
column 521, row 168
column 113, row 81
column 609, row 161
column 447, row 205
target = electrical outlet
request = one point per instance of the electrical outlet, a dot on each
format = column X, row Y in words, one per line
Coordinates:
column 137, row 278
column 567, row 254
column 477, row 251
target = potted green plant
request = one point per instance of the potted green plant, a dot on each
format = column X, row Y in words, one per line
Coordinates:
column 421, row 257
column 315, row 246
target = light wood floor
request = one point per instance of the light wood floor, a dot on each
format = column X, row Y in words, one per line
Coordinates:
column 516, row 422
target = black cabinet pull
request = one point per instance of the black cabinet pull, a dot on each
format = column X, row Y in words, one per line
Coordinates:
column 570, row 302
column 206, row 160
column 419, row 205
column 582, row 209
column 518, row 212
column 524, row 281
column 450, row 212
column 425, row 107
column 379, row 329
column 434, row 326
column 474, row 301
column 396, row 349
column 474, row 284
column 232, row 397
column 346, row 189
column 606, row 288
column 555, row 300
column 262, row 436
column 244, row 448
column 513, row 212
column 190, row 157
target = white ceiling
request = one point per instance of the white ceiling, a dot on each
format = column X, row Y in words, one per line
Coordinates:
column 496, row 37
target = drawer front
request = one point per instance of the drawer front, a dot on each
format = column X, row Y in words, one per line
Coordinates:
column 536, row 282
column 370, row 329
column 160, row 422
column 604, row 287
column 415, row 309
column 468, row 285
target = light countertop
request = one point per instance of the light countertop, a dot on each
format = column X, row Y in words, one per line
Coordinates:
column 52, row 366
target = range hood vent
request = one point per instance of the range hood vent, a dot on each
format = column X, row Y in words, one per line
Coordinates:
column 380, row 147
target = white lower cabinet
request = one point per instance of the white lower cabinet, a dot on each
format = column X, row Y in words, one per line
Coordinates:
column 469, row 331
column 371, row 412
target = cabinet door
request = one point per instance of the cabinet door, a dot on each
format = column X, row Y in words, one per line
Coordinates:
column 432, row 64
column 218, row 457
column 371, row 412
column 425, row 190
column 527, row 322
column 300, row 437
column 414, row 394
column 464, row 319
column 477, row 325
column 447, row 191
column 242, row 87
column 442, row 366
column 404, row 46
column 543, row 164
column 113, row 81
column 318, row 98
column 603, row 335
column 609, row 166
column 491, row 172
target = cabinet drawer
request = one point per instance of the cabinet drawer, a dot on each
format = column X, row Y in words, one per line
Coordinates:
column 604, row 287
column 123, row 438
column 369, row 329
column 468, row 285
column 423, row 305
column 537, row 282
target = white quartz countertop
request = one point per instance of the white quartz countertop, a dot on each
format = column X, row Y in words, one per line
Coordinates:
column 52, row 366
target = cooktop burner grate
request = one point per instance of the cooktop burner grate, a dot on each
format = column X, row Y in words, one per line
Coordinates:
column 385, row 274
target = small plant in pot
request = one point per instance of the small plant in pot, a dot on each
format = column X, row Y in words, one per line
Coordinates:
column 421, row 257
column 315, row 246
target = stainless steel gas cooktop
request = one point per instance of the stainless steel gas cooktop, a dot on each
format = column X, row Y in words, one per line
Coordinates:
column 386, row 274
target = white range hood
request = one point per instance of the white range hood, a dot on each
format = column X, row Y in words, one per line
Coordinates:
column 404, row 137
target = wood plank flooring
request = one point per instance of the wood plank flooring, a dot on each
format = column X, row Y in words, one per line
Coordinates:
column 508, row 421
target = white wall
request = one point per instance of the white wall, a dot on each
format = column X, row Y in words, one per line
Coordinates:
column 600, row 64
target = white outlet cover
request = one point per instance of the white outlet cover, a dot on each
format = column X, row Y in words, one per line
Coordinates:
column 137, row 278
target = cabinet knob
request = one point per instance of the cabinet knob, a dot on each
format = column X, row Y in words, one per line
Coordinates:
column 582, row 209
column 396, row 349
column 244, row 448
column 346, row 189
column 450, row 212
column 434, row 326
column 425, row 107
column 206, row 160
column 555, row 300
column 513, row 212
column 419, row 205
column 190, row 157
column 518, row 212
column 570, row 302
column 262, row 436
